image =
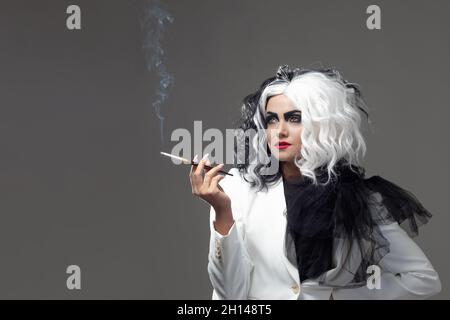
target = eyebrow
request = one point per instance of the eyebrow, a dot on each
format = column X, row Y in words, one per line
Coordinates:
column 286, row 114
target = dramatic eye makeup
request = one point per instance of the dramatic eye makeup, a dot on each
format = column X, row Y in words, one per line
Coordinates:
column 290, row 116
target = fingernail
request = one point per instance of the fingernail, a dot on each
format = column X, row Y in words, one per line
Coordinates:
column 195, row 158
column 208, row 163
column 205, row 156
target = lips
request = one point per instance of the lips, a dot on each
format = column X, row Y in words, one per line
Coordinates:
column 282, row 145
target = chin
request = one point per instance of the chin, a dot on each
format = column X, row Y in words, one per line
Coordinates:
column 284, row 157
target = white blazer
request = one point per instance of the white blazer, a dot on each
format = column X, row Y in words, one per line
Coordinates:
column 249, row 262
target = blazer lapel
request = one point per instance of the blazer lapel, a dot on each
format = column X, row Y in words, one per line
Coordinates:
column 278, row 197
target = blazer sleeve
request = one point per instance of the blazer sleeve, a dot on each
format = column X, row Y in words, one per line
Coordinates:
column 229, row 265
column 406, row 273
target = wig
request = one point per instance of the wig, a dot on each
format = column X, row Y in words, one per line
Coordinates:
column 331, row 120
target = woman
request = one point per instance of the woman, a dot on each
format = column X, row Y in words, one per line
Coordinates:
column 298, row 219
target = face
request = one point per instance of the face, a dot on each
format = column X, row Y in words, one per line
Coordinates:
column 283, row 128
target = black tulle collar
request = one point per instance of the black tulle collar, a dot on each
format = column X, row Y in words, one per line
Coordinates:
column 349, row 208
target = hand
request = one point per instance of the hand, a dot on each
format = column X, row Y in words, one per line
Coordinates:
column 206, row 187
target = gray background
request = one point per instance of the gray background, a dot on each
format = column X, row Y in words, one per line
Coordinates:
column 81, row 178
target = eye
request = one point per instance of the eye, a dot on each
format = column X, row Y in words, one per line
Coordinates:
column 295, row 118
column 270, row 120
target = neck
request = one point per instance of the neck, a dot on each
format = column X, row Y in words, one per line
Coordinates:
column 290, row 171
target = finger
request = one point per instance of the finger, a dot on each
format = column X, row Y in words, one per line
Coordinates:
column 195, row 181
column 207, row 164
column 207, row 177
column 193, row 166
column 215, row 182
column 215, row 169
column 211, row 173
column 201, row 165
column 198, row 174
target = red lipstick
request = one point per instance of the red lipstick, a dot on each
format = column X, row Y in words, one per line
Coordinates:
column 282, row 145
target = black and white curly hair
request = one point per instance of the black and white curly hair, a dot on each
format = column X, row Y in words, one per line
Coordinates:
column 331, row 124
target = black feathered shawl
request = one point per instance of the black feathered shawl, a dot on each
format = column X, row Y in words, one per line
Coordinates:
column 336, row 227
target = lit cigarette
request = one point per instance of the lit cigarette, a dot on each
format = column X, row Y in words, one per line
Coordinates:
column 186, row 161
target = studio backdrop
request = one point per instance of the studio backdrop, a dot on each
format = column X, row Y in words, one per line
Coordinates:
column 91, row 91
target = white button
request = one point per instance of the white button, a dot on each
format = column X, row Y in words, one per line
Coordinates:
column 295, row 288
column 218, row 253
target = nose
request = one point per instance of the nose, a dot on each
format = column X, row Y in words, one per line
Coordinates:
column 282, row 129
